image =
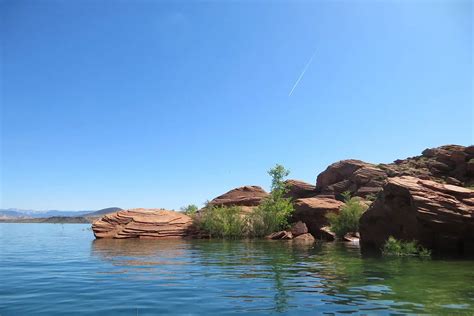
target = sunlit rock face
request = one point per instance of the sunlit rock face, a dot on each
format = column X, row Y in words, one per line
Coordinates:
column 249, row 195
column 297, row 189
column 143, row 223
column 453, row 164
column 439, row 216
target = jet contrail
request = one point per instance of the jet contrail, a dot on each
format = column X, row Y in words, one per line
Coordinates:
column 302, row 74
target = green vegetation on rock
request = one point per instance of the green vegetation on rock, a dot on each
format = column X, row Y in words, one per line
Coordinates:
column 347, row 220
column 395, row 247
column 223, row 222
column 273, row 213
column 270, row 216
column 190, row 210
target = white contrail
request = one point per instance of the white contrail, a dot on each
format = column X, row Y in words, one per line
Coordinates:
column 302, row 74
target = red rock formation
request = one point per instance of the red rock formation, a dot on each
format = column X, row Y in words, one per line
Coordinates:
column 143, row 223
column 243, row 196
column 438, row 216
column 358, row 177
column 452, row 164
column 313, row 211
column 299, row 189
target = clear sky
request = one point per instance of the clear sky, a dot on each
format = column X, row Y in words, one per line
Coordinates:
column 162, row 104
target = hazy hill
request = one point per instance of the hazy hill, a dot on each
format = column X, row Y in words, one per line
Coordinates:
column 13, row 213
column 104, row 211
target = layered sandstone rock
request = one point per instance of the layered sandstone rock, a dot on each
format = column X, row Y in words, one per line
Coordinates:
column 358, row 177
column 298, row 189
column 244, row 196
column 143, row 223
column 438, row 216
column 313, row 211
column 452, row 164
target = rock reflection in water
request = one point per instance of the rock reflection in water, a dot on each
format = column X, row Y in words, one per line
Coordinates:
column 279, row 271
column 138, row 252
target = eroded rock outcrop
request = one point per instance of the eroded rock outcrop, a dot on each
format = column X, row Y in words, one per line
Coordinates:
column 242, row 196
column 313, row 211
column 298, row 189
column 452, row 164
column 143, row 223
column 358, row 177
column 439, row 216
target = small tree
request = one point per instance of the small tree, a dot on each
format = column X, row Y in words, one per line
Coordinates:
column 190, row 210
column 278, row 174
column 275, row 210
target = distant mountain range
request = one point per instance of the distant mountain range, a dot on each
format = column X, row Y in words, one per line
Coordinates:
column 13, row 213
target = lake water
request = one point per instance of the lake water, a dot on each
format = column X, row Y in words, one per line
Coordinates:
column 55, row 269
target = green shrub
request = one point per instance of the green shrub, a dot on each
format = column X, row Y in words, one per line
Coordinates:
column 394, row 247
column 270, row 216
column 273, row 213
column 223, row 222
column 190, row 210
column 347, row 220
column 371, row 197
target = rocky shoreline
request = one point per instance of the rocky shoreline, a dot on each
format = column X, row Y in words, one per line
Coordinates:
column 428, row 198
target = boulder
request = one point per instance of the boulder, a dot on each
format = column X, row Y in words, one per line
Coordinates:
column 306, row 238
column 281, row 235
column 243, row 196
column 298, row 189
column 143, row 223
column 325, row 233
column 299, row 228
column 313, row 211
column 439, row 216
column 351, row 237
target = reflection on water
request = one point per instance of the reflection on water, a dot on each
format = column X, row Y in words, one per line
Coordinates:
column 52, row 269
column 335, row 272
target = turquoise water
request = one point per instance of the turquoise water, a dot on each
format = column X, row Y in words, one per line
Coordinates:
column 54, row 269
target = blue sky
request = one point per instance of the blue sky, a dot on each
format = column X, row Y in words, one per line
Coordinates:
column 162, row 104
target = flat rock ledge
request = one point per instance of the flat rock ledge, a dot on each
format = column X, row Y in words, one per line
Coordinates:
column 439, row 216
column 144, row 224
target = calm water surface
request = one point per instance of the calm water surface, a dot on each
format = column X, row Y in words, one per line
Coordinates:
column 55, row 269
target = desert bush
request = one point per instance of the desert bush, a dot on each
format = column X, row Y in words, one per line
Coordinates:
column 395, row 247
column 223, row 222
column 347, row 220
